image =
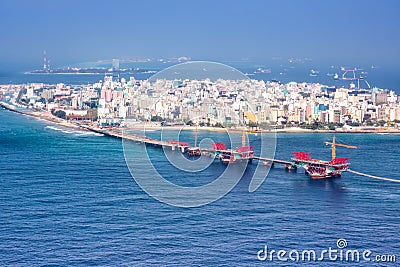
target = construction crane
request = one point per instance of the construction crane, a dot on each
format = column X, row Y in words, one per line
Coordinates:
column 243, row 138
column 334, row 145
column 195, row 136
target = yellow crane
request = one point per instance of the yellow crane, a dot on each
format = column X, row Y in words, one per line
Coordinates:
column 243, row 138
column 195, row 136
column 334, row 145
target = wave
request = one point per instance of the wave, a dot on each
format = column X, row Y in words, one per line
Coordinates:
column 54, row 128
column 77, row 133
column 88, row 134
column 59, row 130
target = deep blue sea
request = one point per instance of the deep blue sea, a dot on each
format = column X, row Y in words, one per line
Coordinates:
column 67, row 198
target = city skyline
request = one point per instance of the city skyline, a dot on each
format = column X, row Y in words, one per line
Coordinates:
column 328, row 31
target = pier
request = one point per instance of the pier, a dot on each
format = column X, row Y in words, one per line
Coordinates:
column 184, row 146
column 279, row 161
column 172, row 144
column 177, row 145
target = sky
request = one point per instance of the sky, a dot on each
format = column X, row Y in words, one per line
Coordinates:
column 77, row 31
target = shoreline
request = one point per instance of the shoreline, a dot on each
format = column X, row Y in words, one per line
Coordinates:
column 43, row 116
column 48, row 117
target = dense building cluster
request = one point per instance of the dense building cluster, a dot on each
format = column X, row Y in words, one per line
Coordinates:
column 220, row 102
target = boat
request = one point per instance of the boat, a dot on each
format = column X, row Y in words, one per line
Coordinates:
column 226, row 157
column 193, row 152
column 290, row 167
column 321, row 169
column 249, row 74
column 243, row 153
column 262, row 70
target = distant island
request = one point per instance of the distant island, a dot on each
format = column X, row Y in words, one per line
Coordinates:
column 92, row 71
column 114, row 69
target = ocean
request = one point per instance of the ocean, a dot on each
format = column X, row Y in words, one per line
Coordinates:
column 68, row 199
column 381, row 76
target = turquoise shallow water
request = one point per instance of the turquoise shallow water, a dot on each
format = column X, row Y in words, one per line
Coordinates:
column 67, row 198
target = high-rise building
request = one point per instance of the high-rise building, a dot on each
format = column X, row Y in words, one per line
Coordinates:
column 46, row 62
column 115, row 70
column 379, row 97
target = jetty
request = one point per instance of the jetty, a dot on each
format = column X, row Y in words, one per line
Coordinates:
column 218, row 149
column 178, row 145
column 172, row 144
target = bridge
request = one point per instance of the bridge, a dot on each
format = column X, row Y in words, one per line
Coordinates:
column 279, row 161
column 176, row 145
column 173, row 144
column 183, row 146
